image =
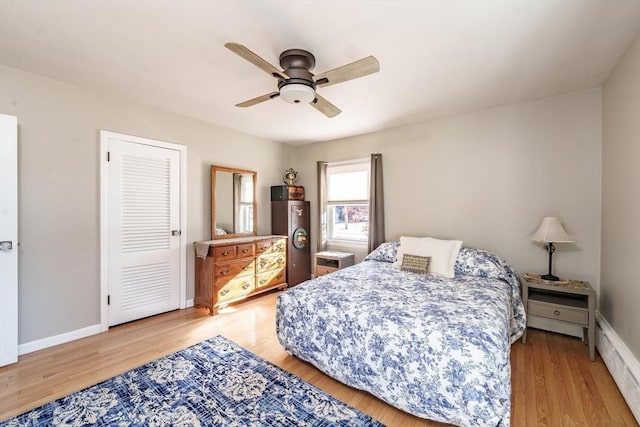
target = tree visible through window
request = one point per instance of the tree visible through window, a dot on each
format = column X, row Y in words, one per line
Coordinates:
column 348, row 200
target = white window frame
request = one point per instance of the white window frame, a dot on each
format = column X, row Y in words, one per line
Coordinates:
column 357, row 165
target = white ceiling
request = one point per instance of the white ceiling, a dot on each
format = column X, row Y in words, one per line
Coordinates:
column 436, row 57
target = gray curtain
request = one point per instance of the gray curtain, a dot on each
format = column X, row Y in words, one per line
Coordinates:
column 322, row 207
column 376, row 203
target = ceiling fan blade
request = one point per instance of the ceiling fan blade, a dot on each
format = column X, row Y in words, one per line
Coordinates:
column 360, row 68
column 255, row 60
column 325, row 107
column 259, row 99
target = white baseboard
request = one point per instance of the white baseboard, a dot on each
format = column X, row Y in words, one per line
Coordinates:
column 189, row 303
column 58, row 339
column 622, row 364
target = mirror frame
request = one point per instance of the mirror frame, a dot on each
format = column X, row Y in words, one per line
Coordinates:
column 254, row 174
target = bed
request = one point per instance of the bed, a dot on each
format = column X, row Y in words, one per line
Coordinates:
column 434, row 347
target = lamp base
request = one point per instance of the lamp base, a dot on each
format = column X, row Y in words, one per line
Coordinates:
column 550, row 277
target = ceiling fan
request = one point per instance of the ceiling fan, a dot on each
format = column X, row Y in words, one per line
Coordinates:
column 296, row 83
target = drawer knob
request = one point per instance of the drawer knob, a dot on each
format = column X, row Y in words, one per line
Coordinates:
column 225, row 271
column 556, row 312
column 225, row 253
column 245, row 250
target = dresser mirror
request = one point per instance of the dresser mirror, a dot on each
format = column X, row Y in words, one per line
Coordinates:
column 233, row 202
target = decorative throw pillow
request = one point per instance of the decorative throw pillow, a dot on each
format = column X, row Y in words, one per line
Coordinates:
column 443, row 253
column 415, row 263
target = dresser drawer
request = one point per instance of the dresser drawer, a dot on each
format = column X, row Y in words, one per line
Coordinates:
column 229, row 270
column 224, row 253
column 271, row 246
column 235, row 289
column 557, row 312
column 267, row 262
column 280, row 245
column 271, row 278
column 321, row 270
column 245, row 251
column 264, row 246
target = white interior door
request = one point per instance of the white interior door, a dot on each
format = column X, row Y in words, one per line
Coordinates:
column 143, row 229
column 8, row 239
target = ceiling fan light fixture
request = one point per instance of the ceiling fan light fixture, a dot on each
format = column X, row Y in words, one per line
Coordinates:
column 297, row 93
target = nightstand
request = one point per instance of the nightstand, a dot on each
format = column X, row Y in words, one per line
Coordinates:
column 329, row 261
column 564, row 306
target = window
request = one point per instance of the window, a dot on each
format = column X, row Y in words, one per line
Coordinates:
column 347, row 206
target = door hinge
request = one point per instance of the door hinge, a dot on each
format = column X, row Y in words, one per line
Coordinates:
column 108, row 299
column 108, row 156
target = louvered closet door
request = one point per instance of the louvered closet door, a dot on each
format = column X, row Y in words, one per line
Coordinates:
column 144, row 256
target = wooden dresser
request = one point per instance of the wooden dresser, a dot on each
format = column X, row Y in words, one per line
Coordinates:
column 237, row 268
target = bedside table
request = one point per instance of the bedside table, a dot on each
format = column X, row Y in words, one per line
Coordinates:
column 329, row 261
column 560, row 307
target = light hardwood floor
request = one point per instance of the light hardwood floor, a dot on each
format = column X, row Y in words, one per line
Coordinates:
column 554, row 383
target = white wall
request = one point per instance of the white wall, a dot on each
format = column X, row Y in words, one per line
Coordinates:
column 620, row 289
column 489, row 177
column 59, row 189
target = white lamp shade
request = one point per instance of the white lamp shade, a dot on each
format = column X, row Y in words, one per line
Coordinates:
column 551, row 231
column 295, row 93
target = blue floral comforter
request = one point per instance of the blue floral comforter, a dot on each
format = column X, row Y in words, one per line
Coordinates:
column 436, row 348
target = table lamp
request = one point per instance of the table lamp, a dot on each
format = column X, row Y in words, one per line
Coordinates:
column 551, row 231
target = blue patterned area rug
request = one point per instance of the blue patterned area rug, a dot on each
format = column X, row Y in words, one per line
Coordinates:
column 213, row 383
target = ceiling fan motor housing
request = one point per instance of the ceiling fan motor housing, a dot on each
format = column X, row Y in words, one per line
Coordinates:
column 300, row 86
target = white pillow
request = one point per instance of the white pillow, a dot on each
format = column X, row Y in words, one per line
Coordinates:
column 443, row 253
